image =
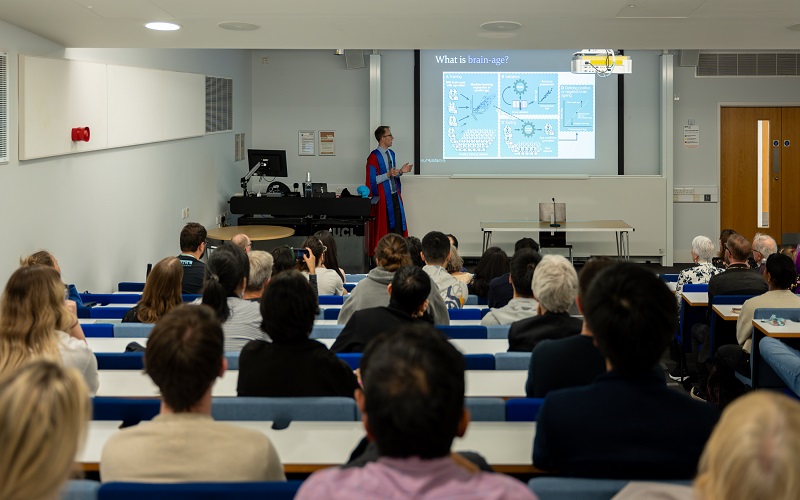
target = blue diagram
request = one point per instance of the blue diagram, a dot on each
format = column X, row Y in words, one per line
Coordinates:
column 518, row 115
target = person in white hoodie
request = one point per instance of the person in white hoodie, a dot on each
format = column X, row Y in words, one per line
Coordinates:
column 435, row 253
column 522, row 304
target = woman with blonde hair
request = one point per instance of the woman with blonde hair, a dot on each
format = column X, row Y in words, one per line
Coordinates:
column 45, row 258
column 44, row 409
column 37, row 322
column 455, row 266
column 162, row 293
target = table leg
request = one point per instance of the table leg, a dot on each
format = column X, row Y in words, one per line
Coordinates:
column 619, row 249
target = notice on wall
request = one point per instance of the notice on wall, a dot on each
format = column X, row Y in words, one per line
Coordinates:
column 327, row 143
column 691, row 136
column 306, row 143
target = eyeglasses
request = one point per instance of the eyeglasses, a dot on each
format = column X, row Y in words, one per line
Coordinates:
column 389, row 135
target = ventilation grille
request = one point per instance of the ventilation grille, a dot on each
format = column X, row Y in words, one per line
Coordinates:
column 219, row 104
column 3, row 107
column 747, row 64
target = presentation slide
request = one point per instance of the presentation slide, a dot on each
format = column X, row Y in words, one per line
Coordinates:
column 514, row 113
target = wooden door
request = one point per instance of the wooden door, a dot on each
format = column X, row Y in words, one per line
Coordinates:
column 790, row 175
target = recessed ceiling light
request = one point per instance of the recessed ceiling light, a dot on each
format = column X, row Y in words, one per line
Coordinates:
column 794, row 27
column 162, row 26
column 236, row 26
column 501, row 26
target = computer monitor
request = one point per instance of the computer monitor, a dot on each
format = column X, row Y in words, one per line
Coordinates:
column 275, row 159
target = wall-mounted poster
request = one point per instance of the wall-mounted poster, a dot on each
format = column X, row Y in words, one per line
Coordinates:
column 327, row 143
column 306, row 143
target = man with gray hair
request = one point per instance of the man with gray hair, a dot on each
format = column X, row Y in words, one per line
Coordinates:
column 764, row 245
column 260, row 274
column 555, row 286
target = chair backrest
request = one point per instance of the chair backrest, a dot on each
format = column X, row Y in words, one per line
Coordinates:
column 576, row 488
column 79, row 489
column 109, row 312
column 133, row 330
column 731, row 299
column 349, row 287
column 331, row 313
column 470, row 313
column 695, row 287
column 497, row 331
column 486, row 409
column 780, row 312
column 130, row 286
column 354, row 278
column 669, row 278
column 191, row 297
column 463, row 331
column 512, row 360
column 131, row 411
column 284, row 410
column 111, row 298
column 105, row 330
column 479, row 361
column 331, row 300
column 353, row 359
column 272, row 490
column 326, row 331
column 120, row 360
column 523, row 409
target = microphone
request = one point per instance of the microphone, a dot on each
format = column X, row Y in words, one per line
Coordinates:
column 553, row 222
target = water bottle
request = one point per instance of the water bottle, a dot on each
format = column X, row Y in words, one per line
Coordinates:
column 307, row 186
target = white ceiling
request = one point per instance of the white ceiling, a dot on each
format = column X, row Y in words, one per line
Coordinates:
column 415, row 24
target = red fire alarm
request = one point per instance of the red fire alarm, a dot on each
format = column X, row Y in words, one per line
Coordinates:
column 80, row 134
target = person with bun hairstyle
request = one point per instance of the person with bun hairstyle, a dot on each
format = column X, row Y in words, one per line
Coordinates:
column 391, row 254
column 162, row 293
column 223, row 288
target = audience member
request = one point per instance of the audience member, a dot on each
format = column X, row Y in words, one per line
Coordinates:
column 721, row 259
column 455, row 266
column 45, row 258
column 738, row 279
column 412, row 406
column 640, row 427
column 780, row 276
column 409, row 291
column 571, row 361
column 260, row 273
column 764, row 245
column 783, row 359
column 162, row 293
column 522, row 305
column 292, row 365
column 391, row 254
column 183, row 443
column 225, row 282
column 242, row 241
column 435, row 253
column 703, row 270
column 283, row 259
column 331, row 254
column 500, row 291
column 492, row 264
column 44, row 409
column 453, row 240
column 415, row 251
column 555, row 286
column 36, row 322
column 328, row 280
column 193, row 247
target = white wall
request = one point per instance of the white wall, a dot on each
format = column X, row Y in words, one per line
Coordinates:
column 106, row 214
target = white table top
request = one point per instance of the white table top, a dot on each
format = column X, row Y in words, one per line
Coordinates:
column 728, row 312
column 330, row 443
column 696, row 299
column 790, row 329
column 566, row 226
column 479, row 383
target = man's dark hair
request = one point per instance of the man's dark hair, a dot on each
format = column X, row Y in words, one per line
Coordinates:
column 410, row 287
column 435, row 247
column 192, row 235
column 523, row 263
column 414, row 249
column 288, row 308
column 226, row 269
column 283, row 259
column 380, row 132
column 632, row 315
column 590, row 271
column 526, row 243
column 414, row 391
column 184, row 355
column 739, row 247
column 781, row 271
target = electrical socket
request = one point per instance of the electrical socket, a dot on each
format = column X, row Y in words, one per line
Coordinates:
column 185, row 213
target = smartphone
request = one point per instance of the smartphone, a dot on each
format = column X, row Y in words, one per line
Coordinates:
column 299, row 253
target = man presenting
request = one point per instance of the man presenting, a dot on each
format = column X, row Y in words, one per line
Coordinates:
column 383, row 180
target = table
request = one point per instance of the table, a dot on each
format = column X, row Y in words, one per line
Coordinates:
column 790, row 330
column 307, row 446
column 479, row 383
column 696, row 299
column 621, row 230
column 728, row 312
column 255, row 233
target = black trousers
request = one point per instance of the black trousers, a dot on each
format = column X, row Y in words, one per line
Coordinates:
column 398, row 216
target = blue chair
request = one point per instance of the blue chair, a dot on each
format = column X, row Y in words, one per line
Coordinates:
column 351, row 358
column 284, row 410
column 111, row 298
column 464, row 313
column 349, row 287
column 130, row 410
column 273, row 490
column 486, row 409
column 331, row 313
column 472, row 300
column 191, row 297
column 109, row 312
column 497, row 331
column 233, row 360
column 479, row 361
column 762, row 374
column 695, row 287
column 130, row 286
column 120, row 360
column 79, row 489
column 575, row 488
column 512, row 360
column 330, row 300
column 104, row 330
column 523, row 409
column 719, row 334
column 326, row 331
column 133, row 330
column 669, row 278
column 463, row 331
column 354, row 278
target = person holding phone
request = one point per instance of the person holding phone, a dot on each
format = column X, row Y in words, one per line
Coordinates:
column 313, row 261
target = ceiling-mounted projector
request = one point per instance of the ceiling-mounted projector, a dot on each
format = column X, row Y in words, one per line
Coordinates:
column 602, row 62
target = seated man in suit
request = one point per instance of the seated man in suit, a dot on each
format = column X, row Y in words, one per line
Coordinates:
column 408, row 302
column 555, row 286
column 193, row 247
column 500, row 291
column 412, row 406
column 627, row 423
column 436, row 253
column 571, row 361
column 183, row 443
column 522, row 305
